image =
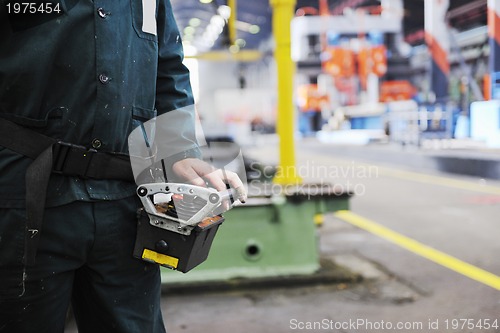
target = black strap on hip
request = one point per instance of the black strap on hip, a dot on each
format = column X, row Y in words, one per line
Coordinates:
column 52, row 156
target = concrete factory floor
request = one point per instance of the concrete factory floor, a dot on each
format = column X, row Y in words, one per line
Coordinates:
column 432, row 267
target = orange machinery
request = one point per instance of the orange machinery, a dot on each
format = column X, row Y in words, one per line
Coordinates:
column 396, row 90
column 309, row 97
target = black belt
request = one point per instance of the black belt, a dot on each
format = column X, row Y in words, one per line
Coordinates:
column 53, row 156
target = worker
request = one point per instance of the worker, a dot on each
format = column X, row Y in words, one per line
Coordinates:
column 76, row 77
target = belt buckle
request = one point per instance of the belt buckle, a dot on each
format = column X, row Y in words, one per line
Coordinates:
column 71, row 160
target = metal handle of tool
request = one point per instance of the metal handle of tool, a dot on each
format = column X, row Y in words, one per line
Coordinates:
column 212, row 197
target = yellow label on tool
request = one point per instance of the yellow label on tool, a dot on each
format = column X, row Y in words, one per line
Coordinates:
column 159, row 258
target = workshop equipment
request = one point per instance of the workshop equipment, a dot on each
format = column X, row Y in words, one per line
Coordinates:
column 178, row 223
column 272, row 235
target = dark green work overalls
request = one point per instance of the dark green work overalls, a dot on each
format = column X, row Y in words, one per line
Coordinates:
column 86, row 75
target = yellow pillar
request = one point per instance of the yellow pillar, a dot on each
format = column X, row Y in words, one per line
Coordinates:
column 283, row 12
column 232, row 21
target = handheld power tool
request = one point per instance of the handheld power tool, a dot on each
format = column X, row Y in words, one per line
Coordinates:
column 178, row 223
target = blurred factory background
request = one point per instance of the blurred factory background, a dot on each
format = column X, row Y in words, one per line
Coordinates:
column 370, row 132
column 407, row 71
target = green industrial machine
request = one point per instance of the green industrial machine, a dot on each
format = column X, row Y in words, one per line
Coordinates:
column 269, row 236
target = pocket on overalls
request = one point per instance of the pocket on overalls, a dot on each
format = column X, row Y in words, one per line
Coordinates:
column 12, row 238
column 144, row 18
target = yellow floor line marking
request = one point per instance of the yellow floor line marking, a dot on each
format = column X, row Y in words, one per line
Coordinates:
column 439, row 180
column 420, row 249
column 431, row 179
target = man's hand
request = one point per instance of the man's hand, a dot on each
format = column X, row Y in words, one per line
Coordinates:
column 198, row 172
